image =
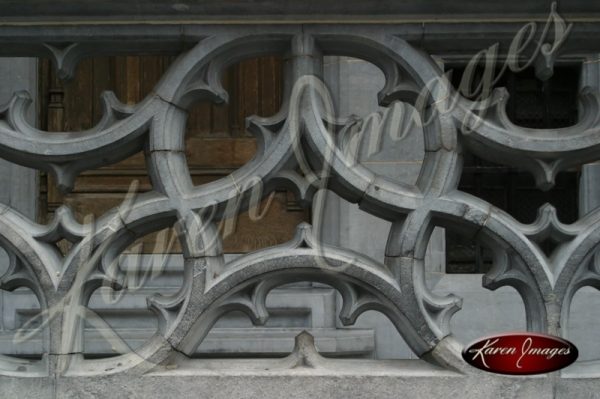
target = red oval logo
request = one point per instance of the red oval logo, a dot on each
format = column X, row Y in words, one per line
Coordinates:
column 520, row 353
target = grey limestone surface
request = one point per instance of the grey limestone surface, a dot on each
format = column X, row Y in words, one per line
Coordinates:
column 375, row 211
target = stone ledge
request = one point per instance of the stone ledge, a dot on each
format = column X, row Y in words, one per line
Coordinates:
column 273, row 378
column 66, row 10
column 296, row 384
column 254, row 341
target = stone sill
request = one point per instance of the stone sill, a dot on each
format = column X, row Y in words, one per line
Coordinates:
column 228, row 342
column 297, row 383
column 70, row 10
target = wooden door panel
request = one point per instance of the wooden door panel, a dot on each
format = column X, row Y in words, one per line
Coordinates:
column 216, row 140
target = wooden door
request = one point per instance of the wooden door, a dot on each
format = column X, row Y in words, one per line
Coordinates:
column 217, row 142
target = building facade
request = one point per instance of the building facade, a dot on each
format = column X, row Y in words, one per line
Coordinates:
column 265, row 200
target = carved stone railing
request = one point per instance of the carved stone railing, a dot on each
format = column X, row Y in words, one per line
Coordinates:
column 307, row 149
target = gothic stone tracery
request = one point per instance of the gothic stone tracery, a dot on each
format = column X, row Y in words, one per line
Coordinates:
column 306, row 148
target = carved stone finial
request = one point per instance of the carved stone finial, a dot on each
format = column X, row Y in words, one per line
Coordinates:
column 305, row 353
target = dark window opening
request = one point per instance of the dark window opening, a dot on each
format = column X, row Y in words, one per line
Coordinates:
column 535, row 104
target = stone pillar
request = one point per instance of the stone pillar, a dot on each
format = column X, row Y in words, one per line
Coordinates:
column 354, row 85
column 19, row 184
column 589, row 183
